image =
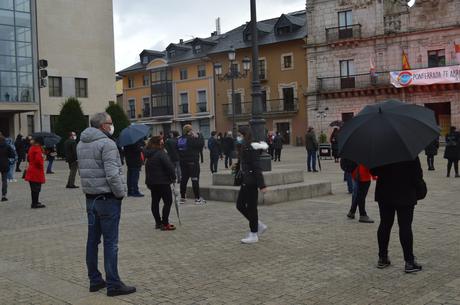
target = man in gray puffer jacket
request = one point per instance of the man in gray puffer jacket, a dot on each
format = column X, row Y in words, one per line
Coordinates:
column 103, row 183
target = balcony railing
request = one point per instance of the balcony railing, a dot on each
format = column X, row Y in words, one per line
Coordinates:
column 183, row 109
column 274, row 106
column 343, row 32
column 358, row 81
column 201, row 107
column 162, row 110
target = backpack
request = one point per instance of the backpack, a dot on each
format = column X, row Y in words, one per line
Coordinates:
column 182, row 144
column 348, row 165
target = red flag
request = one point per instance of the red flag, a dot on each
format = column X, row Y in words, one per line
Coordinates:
column 457, row 50
column 405, row 61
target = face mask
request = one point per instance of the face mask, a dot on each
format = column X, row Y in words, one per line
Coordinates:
column 239, row 140
column 74, row 137
column 112, row 130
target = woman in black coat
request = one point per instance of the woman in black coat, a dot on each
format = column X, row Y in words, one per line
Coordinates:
column 430, row 151
column 159, row 174
column 452, row 152
column 252, row 179
column 335, row 144
column 396, row 193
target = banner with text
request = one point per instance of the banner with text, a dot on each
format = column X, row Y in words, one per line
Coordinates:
column 423, row 77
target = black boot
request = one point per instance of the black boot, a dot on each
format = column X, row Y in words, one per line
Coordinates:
column 383, row 262
column 412, row 267
column 121, row 290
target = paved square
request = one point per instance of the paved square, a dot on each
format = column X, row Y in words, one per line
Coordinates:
column 311, row 253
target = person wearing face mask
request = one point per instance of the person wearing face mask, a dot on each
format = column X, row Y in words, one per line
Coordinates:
column 103, row 183
column 252, row 179
column 70, row 151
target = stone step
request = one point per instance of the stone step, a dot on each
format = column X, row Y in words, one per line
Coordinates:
column 275, row 177
column 275, row 194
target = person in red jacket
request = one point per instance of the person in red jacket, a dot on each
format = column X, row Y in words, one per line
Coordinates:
column 35, row 173
column 361, row 181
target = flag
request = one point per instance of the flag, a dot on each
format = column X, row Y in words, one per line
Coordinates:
column 405, row 61
column 457, row 50
column 372, row 70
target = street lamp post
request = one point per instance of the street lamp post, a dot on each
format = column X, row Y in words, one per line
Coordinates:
column 257, row 121
column 231, row 75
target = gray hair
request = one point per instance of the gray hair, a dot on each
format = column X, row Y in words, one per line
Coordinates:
column 98, row 119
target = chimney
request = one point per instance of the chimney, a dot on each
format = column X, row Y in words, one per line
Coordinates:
column 218, row 25
column 181, row 41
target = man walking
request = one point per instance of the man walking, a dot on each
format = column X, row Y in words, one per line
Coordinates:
column 228, row 146
column 103, row 183
column 214, row 151
column 189, row 147
column 311, row 145
column 20, row 150
column 133, row 158
column 278, row 146
column 70, row 151
column 6, row 153
column 171, row 149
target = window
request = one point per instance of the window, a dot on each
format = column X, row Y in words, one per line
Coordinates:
column 238, row 106
column 53, row 122
column 201, row 70
column 55, row 86
column 130, row 82
column 172, row 53
column 345, row 19
column 145, row 80
column 347, row 74
column 197, row 49
column 436, row 58
column 162, row 75
column 202, row 101
column 183, row 106
column 132, row 109
column 283, row 30
column 30, row 123
column 346, row 116
column 81, row 87
column 262, row 69
column 234, row 68
column 205, row 128
column 183, row 74
column 287, row 62
column 145, row 60
column 146, row 103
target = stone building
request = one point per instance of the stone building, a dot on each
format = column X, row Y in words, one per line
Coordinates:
column 353, row 45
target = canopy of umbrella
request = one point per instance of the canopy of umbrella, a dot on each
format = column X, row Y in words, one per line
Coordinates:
column 386, row 133
column 133, row 134
column 50, row 139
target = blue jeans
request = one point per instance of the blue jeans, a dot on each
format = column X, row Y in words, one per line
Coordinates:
column 49, row 169
column 311, row 160
column 347, row 177
column 133, row 180
column 11, row 169
column 103, row 220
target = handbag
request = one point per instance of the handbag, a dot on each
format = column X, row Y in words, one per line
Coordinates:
column 421, row 189
column 238, row 179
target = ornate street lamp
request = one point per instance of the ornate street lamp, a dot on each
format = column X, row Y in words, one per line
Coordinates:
column 231, row 75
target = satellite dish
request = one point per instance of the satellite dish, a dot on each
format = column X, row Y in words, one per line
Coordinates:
column 411, row 3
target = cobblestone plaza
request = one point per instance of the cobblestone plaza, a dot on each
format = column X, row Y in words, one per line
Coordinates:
column 311, row 253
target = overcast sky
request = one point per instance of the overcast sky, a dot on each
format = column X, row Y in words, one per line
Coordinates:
column 153, row 24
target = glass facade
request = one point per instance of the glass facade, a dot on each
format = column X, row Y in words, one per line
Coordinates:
column 16, row 54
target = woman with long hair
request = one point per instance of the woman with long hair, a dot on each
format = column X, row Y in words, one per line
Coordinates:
column 35, row 172
column 252, row 179
column 159, row 174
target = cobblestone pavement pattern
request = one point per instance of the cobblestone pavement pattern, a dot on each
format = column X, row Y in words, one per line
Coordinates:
column 311, row 253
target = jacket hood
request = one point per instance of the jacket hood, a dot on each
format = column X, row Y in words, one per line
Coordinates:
column 259, row 145
column 92, row 134
column 150, row 152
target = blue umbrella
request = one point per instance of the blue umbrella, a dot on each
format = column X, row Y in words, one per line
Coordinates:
column 133, row 134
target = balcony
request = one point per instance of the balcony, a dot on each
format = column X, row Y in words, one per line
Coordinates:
column 201, row 107
column 270, row 107
column 162, row 110
column 342, row 33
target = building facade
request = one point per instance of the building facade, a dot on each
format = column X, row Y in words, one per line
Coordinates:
column 353, row 45
column 78, row 46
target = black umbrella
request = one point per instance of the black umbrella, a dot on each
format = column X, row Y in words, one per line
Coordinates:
column 386, row 133
column 133, row 134
column 50, row 139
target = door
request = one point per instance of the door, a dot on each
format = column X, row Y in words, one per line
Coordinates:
column 285, row 130
column 443, row 115
column 5, row 126
column 288, row 99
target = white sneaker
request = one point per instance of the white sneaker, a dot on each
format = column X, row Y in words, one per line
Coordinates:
column 250, row 239
column 261, row 228
column 200, row 201
column 14, row 180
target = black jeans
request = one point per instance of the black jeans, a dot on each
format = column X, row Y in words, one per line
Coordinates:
column 228, row 159
column 18, row 164
column 73, row 173
column 158, row 192
column 277, row 154
column 451, row 162
column 247, row 205
column 190, row 170
column 387, row 217
column 213, row 163
column 360, row 190
column 430, row 162
column 271, row 150
column 35, row 189
column 4, row 183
